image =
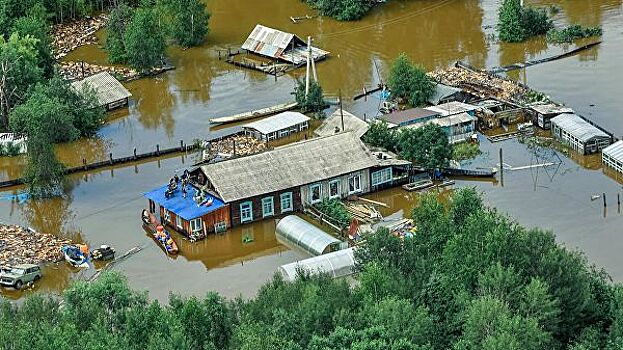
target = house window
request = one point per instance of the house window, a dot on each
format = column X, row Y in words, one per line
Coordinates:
column 246, row 212
column 167, row 215
column 284, row 133
column 286, row 202
column 334, row 189
column 268, row 208
column 178, row 221
column 381, row 176
column 315, row 193
column 196, row 225
column 354, row 183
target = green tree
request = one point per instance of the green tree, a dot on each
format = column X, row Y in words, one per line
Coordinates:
column 380, row 135
column 144, row 41
column 342, row 10
column 120, row 18
column 38, row 28
column 314, row 101
column 410, row 82
column 426, row 146
column 189, row 23
column 517, row 23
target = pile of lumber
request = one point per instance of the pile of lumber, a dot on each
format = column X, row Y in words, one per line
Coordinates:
column 77, row 70
column 19, row 245
column 481, row 84
column 71, row 35
column 245, row 145
column 364, row 213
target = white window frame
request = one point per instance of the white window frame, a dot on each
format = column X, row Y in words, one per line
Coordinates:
column 265, row 200
column 242, row 216
column 271, row 136
column 382, row 176
column 356, row 189
column 166, row 215
column 290, row 207
column 284, row 133
column 311, row 193
column 178, row 221
column 338, row 182
column 196, row 225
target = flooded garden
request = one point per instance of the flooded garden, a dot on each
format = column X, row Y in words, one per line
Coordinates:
column 104, row 206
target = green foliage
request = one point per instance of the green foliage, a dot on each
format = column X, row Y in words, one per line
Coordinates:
column 335, row 210
column 9, row 149
column 144, row 41
column 380, row 135
column 342, row 10
column 43, row 171
column 189, row 22
column 410, row 82
column 426, row 146
column 517, row 24
column 571, row 33
column 465, row 150
column 120, row 18
column 314, row 101
column 38, row 28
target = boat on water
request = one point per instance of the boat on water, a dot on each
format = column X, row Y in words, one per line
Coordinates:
column 418, row 185
column 103, row 253
column 468, row 172
column 254, row 114
column 159, row 233
column 77, row 255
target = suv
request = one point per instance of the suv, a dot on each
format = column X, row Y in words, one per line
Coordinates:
column 19, row 275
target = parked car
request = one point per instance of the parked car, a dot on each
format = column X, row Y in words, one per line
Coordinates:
column 17, row 276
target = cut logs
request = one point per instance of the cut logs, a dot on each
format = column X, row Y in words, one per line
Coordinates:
column 20, row 245
column 71, row 35
column 78, row 70
column 237, row 145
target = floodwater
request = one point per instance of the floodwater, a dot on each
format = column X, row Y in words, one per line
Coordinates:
column 103, row 207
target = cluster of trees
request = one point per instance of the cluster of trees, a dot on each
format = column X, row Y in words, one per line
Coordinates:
column 517, row 23
column 342, row 10
column 313, row 101
column 138, row 36
column 427, row 146
column 409, row 82
column 470, row 279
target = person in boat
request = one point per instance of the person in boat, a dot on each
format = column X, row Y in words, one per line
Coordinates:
column 176, row 178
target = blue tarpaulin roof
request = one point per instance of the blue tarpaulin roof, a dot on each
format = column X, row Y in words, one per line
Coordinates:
column 184, row 207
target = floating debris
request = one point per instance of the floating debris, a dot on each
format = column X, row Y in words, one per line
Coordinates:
column 20, row 245
column 71, row 35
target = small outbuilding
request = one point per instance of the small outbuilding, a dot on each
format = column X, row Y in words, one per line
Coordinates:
column 306, row 236
column 579, row 134
column 409, row 116
column 342, row 120
column 543, row 113
column 612, row 157
column 277, row 126
column 110, row 93
column 445, row 93
column 337, row 264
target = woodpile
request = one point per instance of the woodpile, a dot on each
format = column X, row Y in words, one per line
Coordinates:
column 78, row 70
column 244, row 146
column 25, row 246
column 71, row 35
column 364, row 213
column 481, row 84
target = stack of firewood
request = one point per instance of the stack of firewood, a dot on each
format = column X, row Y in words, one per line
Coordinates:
column 19, row 245
column 71, row 35
column 77, row 70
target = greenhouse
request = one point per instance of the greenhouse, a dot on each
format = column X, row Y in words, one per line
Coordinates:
column 337, row 264
column 306, row 236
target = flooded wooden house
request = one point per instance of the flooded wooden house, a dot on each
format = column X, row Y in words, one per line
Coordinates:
column 409, row 116
column 198, row 213
column 612, row 157
column 494, row 113
column 110, row 93
column 282, row 46
column 542, row 114
column 342, row 121
column 289, row 177
column 579, row 134
column 278, row 126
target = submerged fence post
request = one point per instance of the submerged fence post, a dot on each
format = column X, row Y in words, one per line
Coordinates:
column 501, row 168
column 157, row 150
column 84, row 163
column 110, row 158
column 604, row 195
column 135, row 153
column 182, row 145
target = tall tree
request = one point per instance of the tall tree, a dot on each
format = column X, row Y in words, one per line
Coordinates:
column 189, row 24
column 144, row 41
column 38, row 28
column 409, row 81
column 120, row 18
column 426, row 146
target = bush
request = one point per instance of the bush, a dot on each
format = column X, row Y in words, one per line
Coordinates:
column 342, row 10
column 314, row 101
column 335, row 209
column 465, row 151
column 410, row 82
column 9, row 149
column 380, row 135
column 571, row 33
column 427, row 146
column 517, row 24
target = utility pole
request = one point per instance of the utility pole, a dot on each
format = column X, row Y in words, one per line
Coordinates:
column 341, row 109
column 311, row 58
column 307, row 72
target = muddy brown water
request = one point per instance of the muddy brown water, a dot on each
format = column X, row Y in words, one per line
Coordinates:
column 103, row 207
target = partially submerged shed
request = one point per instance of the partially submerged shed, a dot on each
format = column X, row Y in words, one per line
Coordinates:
column 612, row 156
column 543, row 113
column 579, row 134
column 445, row 93
column 306, row 236
column 277, row 126
column 276, row 44
column 337, row 264
column 110, row 93
column 342, row 120
column 409, row 116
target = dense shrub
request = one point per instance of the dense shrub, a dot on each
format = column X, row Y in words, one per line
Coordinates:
column 409, row 82
column 343, row 10
column 571, row 33
column 517, row 24
column 335, row 210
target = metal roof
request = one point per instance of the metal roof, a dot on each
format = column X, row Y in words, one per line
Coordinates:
column 292, row 165
column 442, row 92
column 277, row 122
column 407, row 115
column 446, row 121
column 107, row 88
column 453, row 107
column 187, row 208
column 550, row 108
column 305, row 235
column 615, row 151
column 578, row 127
column 336, row 264
column 277, row 44
column 351, row 123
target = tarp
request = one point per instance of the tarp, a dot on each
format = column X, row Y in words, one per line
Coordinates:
column 184, row 207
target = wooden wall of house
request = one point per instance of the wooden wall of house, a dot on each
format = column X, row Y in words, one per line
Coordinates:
column 365, row 185
column 209, row 220
column 257, row 205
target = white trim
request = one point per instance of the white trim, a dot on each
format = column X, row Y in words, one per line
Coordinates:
column 290, row 198
column 248, row 218
column 357, row 188
column 339, row 188
column 311, row 193
column 198, row 225
column 272, row 206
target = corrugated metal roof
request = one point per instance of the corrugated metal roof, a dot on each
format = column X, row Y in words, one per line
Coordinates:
column 277, row 122
column 615, row 151
column 107, row 88
column 446, row 121
column 550, row 108
column 351, row 123
column 296, row 164
column 578, row 127
column 408, row 115
column 442, row 92
column 453, row 107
